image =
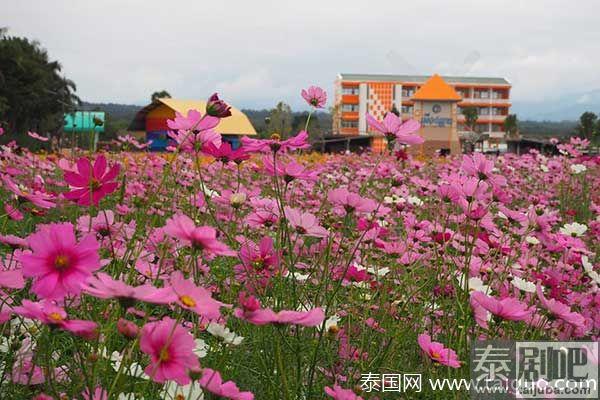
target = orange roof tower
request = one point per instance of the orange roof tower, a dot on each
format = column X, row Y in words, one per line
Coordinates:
column 436, row 89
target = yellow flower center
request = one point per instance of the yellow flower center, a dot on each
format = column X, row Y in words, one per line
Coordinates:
column 276, row 136
column 94, row 184
column 187, row 301
column 61, row 261
column 436, row 355
column 164, row 355
column 180, row 397
column 56, row 317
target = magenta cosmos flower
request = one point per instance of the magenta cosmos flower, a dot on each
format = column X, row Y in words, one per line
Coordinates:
column 252, row 313
column 171, row 350
column 199, row 237
column 51, row 314
column 91, row 183
column 217, row 108
column 508, row 308
column 225, row 153
column 275, row 144
column 211, row 381
column 57, row 263
column 393, row 128
column 315, row 96
column 437, row 352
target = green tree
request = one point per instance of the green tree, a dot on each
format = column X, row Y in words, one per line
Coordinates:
column 280, row 120
column 587, row 124
column 511, row 126
column 33, row 93
column 160, row 95
column 471, row 115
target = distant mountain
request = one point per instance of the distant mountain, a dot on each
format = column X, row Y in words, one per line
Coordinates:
column 113, row 110
column 565, row 107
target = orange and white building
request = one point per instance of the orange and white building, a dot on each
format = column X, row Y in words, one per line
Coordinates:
column 357, row 94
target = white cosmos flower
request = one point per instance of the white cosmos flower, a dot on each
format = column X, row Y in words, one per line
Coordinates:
column 393, row 199
column 544, row 168
column 221, row 331
column 332, row 322
column 201, row 348
column 173, row 391
column 589, row 268
column 415, row 201
column 135, row 369
column 578, row 169
column 297, row 276
column 378, row 271
column 523, row 285
column 475, row 284
column 575, row 229
column 532, row 240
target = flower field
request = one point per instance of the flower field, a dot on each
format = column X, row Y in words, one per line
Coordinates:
column 269, row 272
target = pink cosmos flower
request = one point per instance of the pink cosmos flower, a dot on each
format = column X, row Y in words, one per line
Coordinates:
column 252, row 313
column 1, row 131
column 478, row 165
column 508, row 308
column 300, row 141
column 339, row 393
column 225, row 153
column 211, row 380
column 13, row 213
column 194, row 298
column 13, row 241
column 171, row 350
column 40, row 199
column 289, row 171
column 202, row 237
column 11, row 278
column 103, row 286
column 304, row 223
column 351, row 201
column 315, row 96
column 57, row 263
column 437, row 352
column 91, row 184
column 194, row 121
column 50, row 314
column 194, row 142
column 37, row 136
column 561, row 310
column 258, row 261
column 392, row 127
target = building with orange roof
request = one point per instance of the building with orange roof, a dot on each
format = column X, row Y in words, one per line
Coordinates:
column 357, row 94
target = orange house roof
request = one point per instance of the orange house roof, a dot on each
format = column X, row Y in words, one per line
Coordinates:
column 436, row 88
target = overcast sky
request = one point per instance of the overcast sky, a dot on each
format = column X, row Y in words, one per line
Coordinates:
column 256, row 52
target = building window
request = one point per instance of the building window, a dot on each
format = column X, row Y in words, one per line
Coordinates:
column 408, row 92
column 350, row 107
column 350, row 90
column 484, row 111
column 407, row 109
column 349, row 124
column 481, row 128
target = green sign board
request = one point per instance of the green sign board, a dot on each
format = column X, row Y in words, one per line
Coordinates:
column 83, row 121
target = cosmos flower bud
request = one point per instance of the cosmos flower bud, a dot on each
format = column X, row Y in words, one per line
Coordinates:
column 237, row 199
column 216, row 107
column 127, row 328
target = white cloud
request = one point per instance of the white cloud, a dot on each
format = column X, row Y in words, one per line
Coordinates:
column 263, row 51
